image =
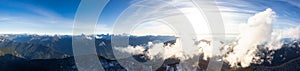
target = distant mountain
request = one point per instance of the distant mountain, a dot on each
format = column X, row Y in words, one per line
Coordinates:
column 54, row 53
column 60, row 43
column 63, row 43
column 29, row 51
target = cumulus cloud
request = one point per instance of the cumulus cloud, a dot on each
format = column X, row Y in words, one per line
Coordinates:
column 291, row 33
column 160, row 50
column 256, row 31
column 259, row 29
column 275, row 41
column 243, row 53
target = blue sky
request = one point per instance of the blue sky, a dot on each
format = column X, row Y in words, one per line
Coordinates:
column 48, row 16
column 287, row 12
column 56, row 16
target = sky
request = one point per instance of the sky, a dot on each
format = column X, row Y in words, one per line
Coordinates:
column 57, row 16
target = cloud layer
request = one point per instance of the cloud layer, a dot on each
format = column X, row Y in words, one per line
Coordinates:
column 243, row 53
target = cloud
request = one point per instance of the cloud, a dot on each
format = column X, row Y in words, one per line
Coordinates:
column 33, row 20
column 237, row 12
column 291, row 32
column 159, row 50
column 170, row 9
column 259, row 28
column 243, row 53
column 34, row 25
column 293, row 2
column 103, row 29
column 152, row 28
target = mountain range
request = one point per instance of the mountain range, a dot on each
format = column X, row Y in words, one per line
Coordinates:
column 54, row 53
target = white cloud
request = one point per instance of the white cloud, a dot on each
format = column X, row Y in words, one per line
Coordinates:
column 38, row 21
column 26, row 24
column 102, row 29
column 259, row 29
column 152, row 28
column 291, row 32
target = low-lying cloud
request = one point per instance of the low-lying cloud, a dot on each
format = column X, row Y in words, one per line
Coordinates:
column 242, row 53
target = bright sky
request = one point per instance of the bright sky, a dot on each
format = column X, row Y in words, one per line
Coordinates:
column 56, row 16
